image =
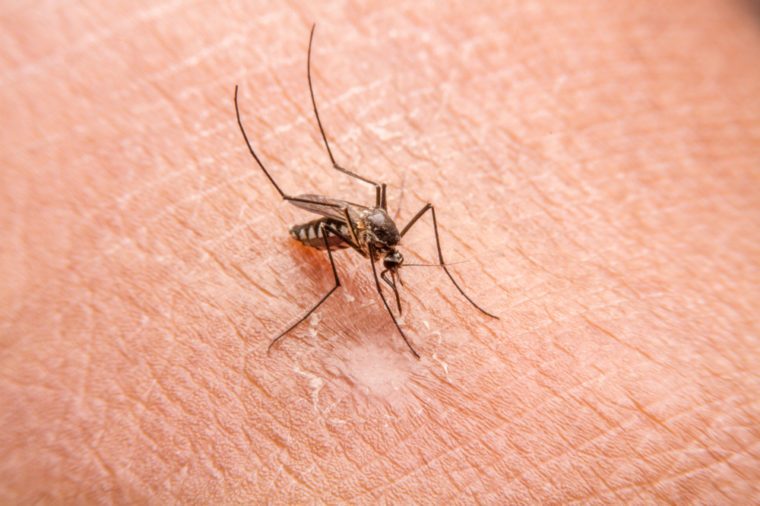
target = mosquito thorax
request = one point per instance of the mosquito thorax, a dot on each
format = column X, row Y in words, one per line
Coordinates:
column 380, row 229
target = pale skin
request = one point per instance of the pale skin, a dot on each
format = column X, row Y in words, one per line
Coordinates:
column 594, row 168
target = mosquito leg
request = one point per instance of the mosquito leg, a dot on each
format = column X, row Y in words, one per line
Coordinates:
column 379, row 192
column 250, row 148
column 415, row 218
column 351, row 226
column 345, row 239
column 266, row 172
column 385, row 302
column 382, row 202
column 429, row 207
column 325, row 231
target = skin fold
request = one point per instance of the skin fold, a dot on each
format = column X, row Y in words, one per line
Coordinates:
column 595, row 170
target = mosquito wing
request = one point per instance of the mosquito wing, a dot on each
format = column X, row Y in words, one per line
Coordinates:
column 330, row 208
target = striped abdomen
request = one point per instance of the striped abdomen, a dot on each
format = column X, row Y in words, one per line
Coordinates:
column 310, row 234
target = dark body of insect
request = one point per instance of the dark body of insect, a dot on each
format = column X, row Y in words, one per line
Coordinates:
column 372, row 226
column 370, row 231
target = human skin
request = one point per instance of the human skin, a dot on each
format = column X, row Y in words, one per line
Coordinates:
column 594, row 167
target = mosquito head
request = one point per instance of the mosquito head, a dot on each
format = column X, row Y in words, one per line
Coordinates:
column 381, row 230
column 393, row 260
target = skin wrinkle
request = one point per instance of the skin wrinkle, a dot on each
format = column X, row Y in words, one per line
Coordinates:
column 621, row 428
column 86, row 41
column 623, row 343
column 668, row 478
column 498, row 428
column 227, row 182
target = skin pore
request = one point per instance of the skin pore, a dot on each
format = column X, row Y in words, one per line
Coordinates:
column 594, row 167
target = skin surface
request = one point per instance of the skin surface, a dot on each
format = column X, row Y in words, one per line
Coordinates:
column 595, row 166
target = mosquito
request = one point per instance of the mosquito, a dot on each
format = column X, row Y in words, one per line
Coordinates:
column 370, row 231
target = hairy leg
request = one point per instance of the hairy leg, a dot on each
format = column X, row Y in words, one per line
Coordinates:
column 325, row 237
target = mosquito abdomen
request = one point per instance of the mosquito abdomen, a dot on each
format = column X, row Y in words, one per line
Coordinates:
column 310, row 234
